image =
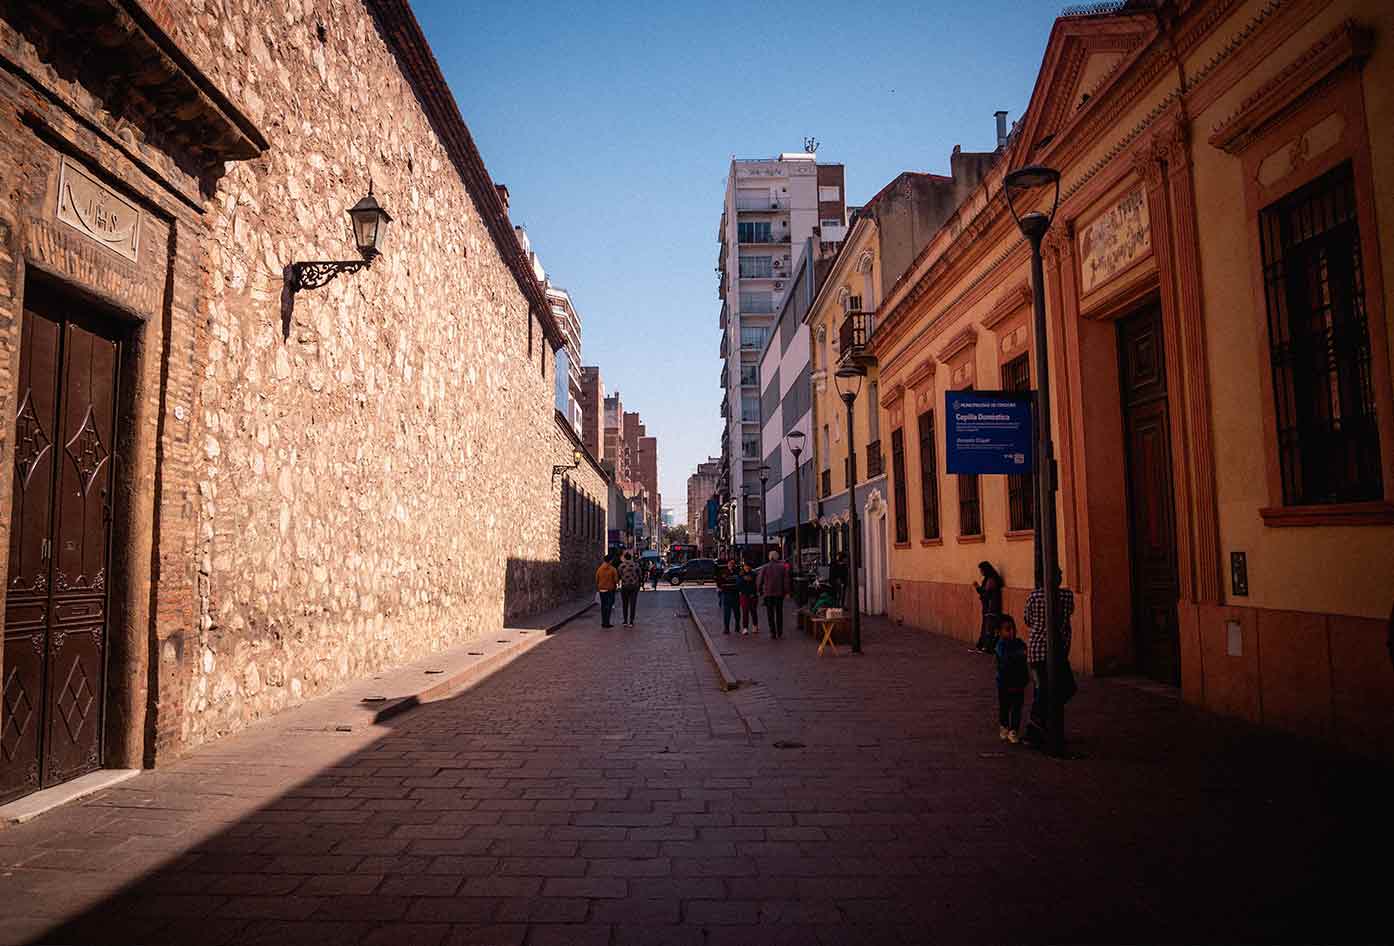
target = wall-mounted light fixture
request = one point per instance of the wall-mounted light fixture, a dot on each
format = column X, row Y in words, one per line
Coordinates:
column 559, row 469
column 370, row 222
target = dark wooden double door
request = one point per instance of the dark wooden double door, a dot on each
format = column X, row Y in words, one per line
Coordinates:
column 1151, row 497
column 54, row 667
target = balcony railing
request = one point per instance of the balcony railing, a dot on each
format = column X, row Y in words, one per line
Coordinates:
column 875, row 460
column 853, row 333
column 721, row 352
column 757, row 308
column 826, row 486
column 764, row 238
column 762, row 203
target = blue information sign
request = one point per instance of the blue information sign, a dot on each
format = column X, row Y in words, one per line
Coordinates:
column 988, row 432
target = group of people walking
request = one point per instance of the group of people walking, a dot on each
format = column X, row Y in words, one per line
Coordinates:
column 1020, row 662
column 624, row 573
column 741, row 589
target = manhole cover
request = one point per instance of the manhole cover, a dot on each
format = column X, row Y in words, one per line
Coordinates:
column 789, row 744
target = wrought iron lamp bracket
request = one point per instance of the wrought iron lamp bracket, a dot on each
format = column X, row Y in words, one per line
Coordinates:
column 316, row 273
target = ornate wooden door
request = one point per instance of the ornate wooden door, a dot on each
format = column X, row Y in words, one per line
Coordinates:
column 1151, row 506
column 56, row 606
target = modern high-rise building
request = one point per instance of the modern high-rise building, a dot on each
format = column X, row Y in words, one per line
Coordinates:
column 592, row 411
column 569, row 388
column 772, row 206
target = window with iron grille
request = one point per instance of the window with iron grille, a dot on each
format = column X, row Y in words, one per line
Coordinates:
column 1319, row 344
column 929, row 476
column 970, row 508
column 1021, row 491
column 902, row 519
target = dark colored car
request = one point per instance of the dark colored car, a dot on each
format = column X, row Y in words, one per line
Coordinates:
column 697, row 569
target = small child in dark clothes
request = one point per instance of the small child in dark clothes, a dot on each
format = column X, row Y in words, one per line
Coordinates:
column 1012, row 674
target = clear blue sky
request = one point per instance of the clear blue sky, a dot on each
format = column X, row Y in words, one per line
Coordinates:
column 613, row 125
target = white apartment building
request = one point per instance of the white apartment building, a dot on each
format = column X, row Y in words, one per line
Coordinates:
column 772, row 207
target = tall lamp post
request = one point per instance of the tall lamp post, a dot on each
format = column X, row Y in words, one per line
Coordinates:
column 764, row 525
column 849, row 385
column 745, row 512
column 795, row 441
column 1034, row 226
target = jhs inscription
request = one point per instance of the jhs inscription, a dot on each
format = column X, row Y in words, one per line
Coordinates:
column 1121, row 235
column 86, row 205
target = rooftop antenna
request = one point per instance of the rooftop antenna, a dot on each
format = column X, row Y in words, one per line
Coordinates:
column 810, row 145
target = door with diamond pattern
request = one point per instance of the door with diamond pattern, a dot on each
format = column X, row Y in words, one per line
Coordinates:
column 54, row 668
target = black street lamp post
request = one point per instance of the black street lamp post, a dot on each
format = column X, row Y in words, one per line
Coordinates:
column 848, row 391
column 764, row 525
column 1034, row 226
column 795, row 440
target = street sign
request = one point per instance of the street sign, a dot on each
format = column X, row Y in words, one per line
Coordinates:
column 988, row 432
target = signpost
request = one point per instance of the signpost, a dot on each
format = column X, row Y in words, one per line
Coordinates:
column 988, row 432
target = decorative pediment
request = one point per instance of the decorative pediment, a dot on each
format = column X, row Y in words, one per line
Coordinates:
column 922, row 375
column 1345, row 47
column 1084, row 57
column 1009, row 303
column 959, row 344
column 891, row 396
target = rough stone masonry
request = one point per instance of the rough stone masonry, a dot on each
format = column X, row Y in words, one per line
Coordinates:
column 344, row 478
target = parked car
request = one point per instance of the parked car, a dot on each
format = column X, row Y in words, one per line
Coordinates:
column 697, row 569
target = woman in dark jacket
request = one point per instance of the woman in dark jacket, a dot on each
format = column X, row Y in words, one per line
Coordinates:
column 990, row 594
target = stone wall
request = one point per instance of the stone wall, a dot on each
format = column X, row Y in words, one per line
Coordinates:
column 376, row 453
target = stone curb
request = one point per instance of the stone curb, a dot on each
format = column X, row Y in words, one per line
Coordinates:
column 475, row 671
column 728, row 679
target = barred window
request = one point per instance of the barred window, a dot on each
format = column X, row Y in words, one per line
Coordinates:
column 1021, row 493
column 929, row 476
column 1319, row 344
column 902, row 520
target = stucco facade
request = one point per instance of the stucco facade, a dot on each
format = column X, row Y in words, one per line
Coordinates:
column 1177, row 137
column 304, row 487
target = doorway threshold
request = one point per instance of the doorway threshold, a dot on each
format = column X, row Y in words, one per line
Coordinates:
column 45, row 800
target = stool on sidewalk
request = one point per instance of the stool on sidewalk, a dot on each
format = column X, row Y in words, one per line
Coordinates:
column 828, row 625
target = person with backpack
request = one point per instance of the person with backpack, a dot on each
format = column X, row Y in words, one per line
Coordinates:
column 631, row 580
column 607, row 579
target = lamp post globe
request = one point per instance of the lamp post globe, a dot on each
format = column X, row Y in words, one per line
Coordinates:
column 1021, row 186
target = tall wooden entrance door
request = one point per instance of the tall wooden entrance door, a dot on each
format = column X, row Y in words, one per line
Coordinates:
column 54, row 668
column 1151, row 504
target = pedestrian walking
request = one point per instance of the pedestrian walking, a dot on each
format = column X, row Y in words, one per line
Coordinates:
column 631, row 580
column 774, row 583
column 990, row 595
column 1012, row 674
column 655, row 568
column 607, row 579
column 728, row 592
column 1037, row 652
column 750, row 601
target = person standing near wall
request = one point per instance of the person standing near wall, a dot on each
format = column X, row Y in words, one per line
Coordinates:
column 631, row 580
column 1036, row 654
column 728, row 592
column 774, row 583
column 607, row 579
column 990, row 594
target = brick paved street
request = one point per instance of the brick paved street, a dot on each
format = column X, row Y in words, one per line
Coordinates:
column 602, row 789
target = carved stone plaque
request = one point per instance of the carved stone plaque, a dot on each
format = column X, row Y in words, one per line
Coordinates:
column 1115, row 240
column 92, row 208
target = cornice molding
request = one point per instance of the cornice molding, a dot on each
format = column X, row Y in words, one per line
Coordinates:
column 964, row 340
column 1345, row 47
column 892, row 396
column 1011, row 301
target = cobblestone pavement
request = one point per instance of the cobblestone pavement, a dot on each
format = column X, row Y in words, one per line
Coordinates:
column 601, row 789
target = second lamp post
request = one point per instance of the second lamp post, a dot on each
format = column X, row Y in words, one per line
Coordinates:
column 849, row 385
